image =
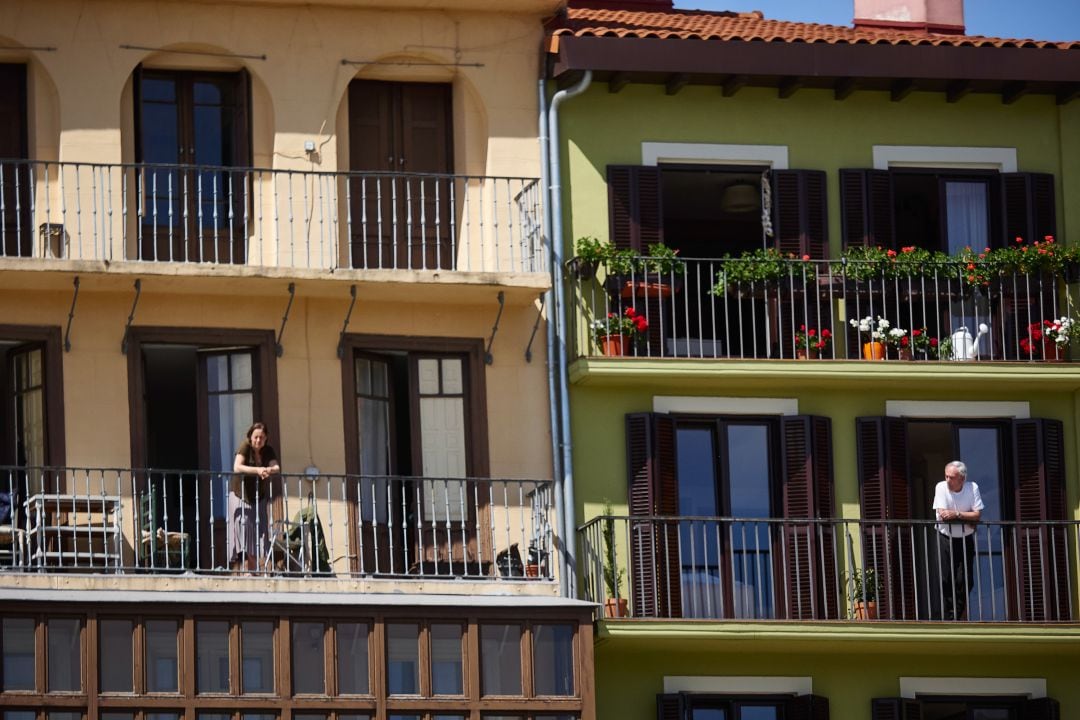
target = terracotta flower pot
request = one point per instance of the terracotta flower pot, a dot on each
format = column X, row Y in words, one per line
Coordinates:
column 532, row 570
column 616, row 608
column 866, row 610
column 615, row 344
column 806, row 354
column 873, row 351
column 1052, row 352
column 904, row 353
column 640, row 288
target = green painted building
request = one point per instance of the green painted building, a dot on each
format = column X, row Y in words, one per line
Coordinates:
column 874, row 277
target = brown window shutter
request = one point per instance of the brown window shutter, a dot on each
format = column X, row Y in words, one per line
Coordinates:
column 800, row 219
column 653, row 491
column 1028, row 206
column 807, row 707
column 1040, row 709
column 895, row 709
column 635, row 212
column 885, row 494
column 866, row 208
column 807, row 486
column 1041, row 562
column 669, row 706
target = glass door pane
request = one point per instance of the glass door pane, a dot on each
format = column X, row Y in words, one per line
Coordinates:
column 981, row 449
column 230, row 402
column 967, row 218
column 749, row 495
column 698, row 540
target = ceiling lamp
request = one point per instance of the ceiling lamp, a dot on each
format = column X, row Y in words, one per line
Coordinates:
column 740, row 197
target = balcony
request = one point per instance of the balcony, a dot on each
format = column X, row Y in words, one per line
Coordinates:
column 710, row 309
column 811, row 570
column 331, row 527
column 290, row 220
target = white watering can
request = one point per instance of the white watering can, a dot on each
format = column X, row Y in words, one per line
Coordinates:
column 965, row 347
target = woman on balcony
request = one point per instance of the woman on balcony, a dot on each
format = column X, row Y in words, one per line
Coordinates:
column 249, row 495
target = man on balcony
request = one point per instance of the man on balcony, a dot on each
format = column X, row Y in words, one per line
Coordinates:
column 958, row 506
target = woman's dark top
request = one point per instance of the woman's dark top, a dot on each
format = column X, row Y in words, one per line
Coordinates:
column 244, row 486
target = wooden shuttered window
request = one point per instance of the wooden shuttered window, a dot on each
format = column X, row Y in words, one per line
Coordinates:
column 635, row 212
column 669, row 706
column 895, row 709
column 800, row 224
column 806, row 580
column 885, row 495
column 810, row 587
column 676, row 706
column 1041, row 551
column 1040, row 709
column 653, row 491
column 866, row 208
column 1028, row 206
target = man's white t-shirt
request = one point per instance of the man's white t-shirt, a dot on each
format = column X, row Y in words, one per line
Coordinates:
column 966, row 500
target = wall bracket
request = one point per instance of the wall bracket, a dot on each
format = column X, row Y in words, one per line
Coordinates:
column 131, row 316
column 488, row 357
column 285, row 321
column 71, row 316
column 536, row 326
column 345, row 326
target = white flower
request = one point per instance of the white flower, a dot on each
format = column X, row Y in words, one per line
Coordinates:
column 897, row 333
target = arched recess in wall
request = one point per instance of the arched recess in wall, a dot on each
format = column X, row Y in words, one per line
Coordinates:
column 42, row 101
column 398, row 76
column 194, row 104
column 186, row 57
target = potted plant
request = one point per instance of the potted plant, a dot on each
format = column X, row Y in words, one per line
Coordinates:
column 1048, row 337
column 656, row 274
column 615, row 604
column 811, row 344
column 898, row 340
column 761, row 266
column 535, row 561
column 874, row 334
column 864, row 591
column 615, row 334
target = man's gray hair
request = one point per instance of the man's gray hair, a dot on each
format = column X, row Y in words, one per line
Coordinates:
column 959, row 467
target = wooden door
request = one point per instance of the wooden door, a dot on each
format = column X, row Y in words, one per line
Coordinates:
column 16, row 233
column 198, row 121
column 400, row 140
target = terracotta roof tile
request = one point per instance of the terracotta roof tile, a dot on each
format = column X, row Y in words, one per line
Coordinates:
column 752, row 26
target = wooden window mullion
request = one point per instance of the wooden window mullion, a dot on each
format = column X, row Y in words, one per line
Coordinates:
column 423, row 655
column 282, row 649
column 330, row 684
column 234, row 657
column 526, row 643
column 90, row 663
column 377, row 666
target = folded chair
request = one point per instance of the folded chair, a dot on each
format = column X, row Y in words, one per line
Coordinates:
column 159, row 548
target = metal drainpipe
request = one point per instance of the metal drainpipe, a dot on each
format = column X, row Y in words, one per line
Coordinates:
column 549, row 307
column 555, row 195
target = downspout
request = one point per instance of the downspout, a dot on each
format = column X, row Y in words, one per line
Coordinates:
column 555, row 196
column 549, row 306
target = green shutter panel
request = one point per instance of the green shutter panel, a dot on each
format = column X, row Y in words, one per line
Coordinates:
column 866, row 208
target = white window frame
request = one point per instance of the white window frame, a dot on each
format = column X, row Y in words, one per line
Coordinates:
column 959, row 409
column 1031, row 688
column 1002, row 159
column 739, row 685
column 725, row 405
column 768, row 156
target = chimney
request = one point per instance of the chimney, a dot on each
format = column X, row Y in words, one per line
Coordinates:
column 929, row 16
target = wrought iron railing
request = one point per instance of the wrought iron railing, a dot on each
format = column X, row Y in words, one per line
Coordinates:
column 176, row 521
column 268, row 217
column 806, row 309
column 792, row 569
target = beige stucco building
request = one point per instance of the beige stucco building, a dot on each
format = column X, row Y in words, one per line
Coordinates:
column 322, row 216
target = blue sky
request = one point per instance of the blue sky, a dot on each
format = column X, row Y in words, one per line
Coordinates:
column 1039, row 19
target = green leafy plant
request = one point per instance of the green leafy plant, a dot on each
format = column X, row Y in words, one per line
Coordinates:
column 631, row 324
column 864, row 584
column 662, row 260
column 613, row 574
column 762, row 265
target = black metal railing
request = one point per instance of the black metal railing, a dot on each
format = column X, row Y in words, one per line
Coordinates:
column 792, row 569
column 156, row 213
column 707, row 308
column 121, row 520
